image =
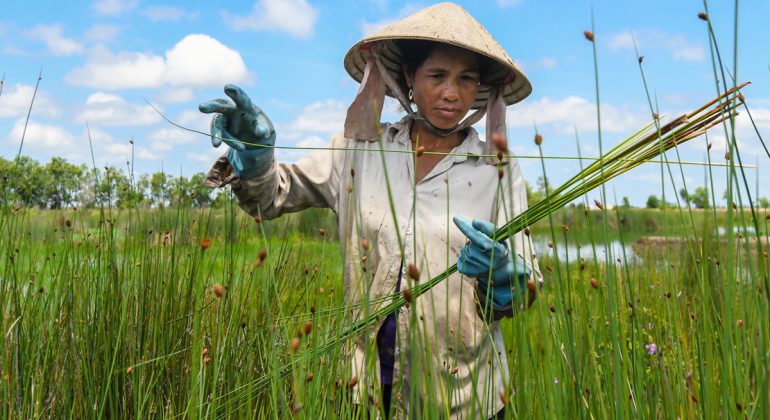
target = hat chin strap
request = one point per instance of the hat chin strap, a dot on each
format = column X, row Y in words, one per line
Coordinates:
column 363, row 115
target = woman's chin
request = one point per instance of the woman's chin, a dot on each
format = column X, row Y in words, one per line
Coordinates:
column 444, row 123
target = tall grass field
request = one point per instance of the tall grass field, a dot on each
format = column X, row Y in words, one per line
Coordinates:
column 179, row 312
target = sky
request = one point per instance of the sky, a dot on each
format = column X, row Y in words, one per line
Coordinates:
column 103, row 63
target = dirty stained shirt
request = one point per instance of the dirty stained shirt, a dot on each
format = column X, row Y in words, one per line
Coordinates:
column 442, row 340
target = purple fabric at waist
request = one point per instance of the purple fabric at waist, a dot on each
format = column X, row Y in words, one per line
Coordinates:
column 386, row 342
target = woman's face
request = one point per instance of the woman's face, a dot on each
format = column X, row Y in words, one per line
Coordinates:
column 445, row 85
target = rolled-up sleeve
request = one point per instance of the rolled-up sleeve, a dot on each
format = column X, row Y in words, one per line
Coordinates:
column 290, row 187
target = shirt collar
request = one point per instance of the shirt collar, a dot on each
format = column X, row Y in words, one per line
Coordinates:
column 471, row 146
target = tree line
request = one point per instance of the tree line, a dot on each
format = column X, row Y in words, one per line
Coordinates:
column 59, row 184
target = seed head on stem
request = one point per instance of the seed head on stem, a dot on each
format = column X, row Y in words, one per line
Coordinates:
column 589, row 35
column 218, row 290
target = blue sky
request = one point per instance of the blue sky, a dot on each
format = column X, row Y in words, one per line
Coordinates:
column 101, row 59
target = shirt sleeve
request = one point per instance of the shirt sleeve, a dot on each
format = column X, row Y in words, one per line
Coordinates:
column 290, row 187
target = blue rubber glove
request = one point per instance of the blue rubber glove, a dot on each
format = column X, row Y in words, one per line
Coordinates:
column 237, row 121
column 484, row 255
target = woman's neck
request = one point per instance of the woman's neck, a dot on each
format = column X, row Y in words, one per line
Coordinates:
column 422, row 136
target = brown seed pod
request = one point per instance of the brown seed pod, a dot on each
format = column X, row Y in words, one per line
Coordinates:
column 550, row 244
column 589, row 35
column 205, row 244
column 294, row 344
column 641, row 58
column 598, row 204
column 526, row 231
column 218, row 290
column 538, row 139
column 129, row 370
column 552, row 309
column 309, row 377
column 295, row 407
column 414, row 272
column 420, row 151
column 727, row 155
column 531, row 287
column 594, row 283
column 500, row 173
column 708, row 146
column 322, row 232
column 352, row 172
column 205, row 352
column 206, row 360
column 703, row 16
column 565, row 229
column 740, row 323
column 454, row 371
column 308, row 328
column 365, row 244
column 262, row 254
column 407, row 295
column 352, row 382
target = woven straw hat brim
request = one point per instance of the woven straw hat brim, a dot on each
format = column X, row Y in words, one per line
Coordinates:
column 450, row 24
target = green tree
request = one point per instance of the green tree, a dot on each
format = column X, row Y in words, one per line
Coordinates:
column 653, row 202
column 159, row 188
column 700, row 198
column 199, row 193
column 764, row 202
column 62, row 180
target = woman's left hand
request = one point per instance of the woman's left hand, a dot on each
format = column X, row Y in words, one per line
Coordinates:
column 487, row 259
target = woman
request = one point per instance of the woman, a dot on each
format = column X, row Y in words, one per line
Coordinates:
column 394, row 188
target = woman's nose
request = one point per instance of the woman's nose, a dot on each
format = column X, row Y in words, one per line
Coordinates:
column 450, row 92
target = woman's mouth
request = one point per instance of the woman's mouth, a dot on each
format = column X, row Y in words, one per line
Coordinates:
column 447, row 112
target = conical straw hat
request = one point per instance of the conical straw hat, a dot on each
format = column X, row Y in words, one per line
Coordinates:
column 451, row 24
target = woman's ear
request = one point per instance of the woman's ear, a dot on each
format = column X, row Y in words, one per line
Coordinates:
column 409, row 79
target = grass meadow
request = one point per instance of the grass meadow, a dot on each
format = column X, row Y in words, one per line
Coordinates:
column 198, row 313
column 209, row 313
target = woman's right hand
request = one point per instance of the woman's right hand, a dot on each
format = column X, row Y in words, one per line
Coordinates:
column 243, row 127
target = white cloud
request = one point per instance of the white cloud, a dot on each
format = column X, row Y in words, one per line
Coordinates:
column 57, row 43
column 114, row 7
column 563, row 115
column 16, row 99
column 43, row 137
column 167, row 138
column 116, row 152
column 327, row 117
column 295, row 17
column 101, row 32
column 107, row 109
column 648, row 39
column 197, row 60
column 125, row 70
column 167, row 13
column 176, row 95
